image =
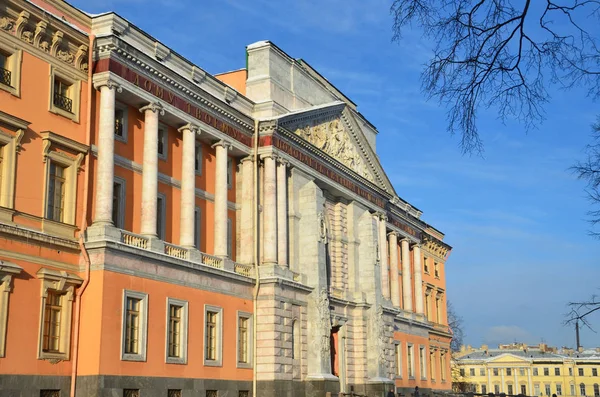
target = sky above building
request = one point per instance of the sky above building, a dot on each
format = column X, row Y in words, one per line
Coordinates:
column 516, row 216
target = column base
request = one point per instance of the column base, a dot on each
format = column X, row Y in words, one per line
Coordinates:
column 155, row 244
column 318, row 385
column 102, row 231
column 275, row 270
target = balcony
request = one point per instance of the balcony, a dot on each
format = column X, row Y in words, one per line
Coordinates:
column 63, row 102
column 5, row 77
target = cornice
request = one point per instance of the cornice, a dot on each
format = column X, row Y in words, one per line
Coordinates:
column 32, row 235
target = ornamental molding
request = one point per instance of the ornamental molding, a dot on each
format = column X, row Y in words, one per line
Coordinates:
column 434, row 246
column 321, row 302
column 204, row 101
column 45, row 33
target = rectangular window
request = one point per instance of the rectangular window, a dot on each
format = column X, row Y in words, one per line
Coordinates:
column 546, row 372
column 481, row 371
column 135, row 326
column 56, row 192
column 524, row 390
column 63, row 97
column 177, row 317
column 161, row 209
column 211, row 393
column 411, row 362
column 536, row 390
column 5, row 72
column 174, row 393
column 472, row 372
column 432, row 364
column 535, row 372
column 510, row 389
column 425, row 266
column 596, row 389
column 198, row 159
column 436, row 270
column 52, row 322
column 497, row 389
column 443, row 366
column 570, row 371
column 131, row 392
column 572, row 390
column 229, row 172
column 229, row 239
column 461, row 372
column 243, row 339
column 483, row 389
column 49, row 393
column 594, row 371
column 121, row 111
column 213, row 333
column 163, row 139
column 559, row 389
column 521, row 371
column 547, row 389
column 580, row 371
column 398, row 359
column 118, row 214
column 509, row 371
column 495, row 371
column 438, row 313
column 582, row 389
column 197, row 218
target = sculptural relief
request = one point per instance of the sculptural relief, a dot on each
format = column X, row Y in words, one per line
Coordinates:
column 321, row 301
column 6, row 23
column 332, row 138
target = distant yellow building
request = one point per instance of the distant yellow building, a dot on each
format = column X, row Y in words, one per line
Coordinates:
column 530, row 370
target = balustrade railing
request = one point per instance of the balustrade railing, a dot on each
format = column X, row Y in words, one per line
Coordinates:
column 5, row 77
column 63, row 102
column 244, row 270
column 176, row 252
column 134, row 240
column 212, row 261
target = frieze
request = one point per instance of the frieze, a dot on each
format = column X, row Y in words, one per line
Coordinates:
column 434, row 246
column 168, row 96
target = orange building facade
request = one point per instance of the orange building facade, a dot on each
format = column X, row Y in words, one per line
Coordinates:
column 166, row 232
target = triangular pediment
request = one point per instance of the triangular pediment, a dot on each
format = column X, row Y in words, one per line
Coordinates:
column 334, row 131
column 508, row 358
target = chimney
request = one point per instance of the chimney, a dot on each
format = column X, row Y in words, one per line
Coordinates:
column 580, row 349
column 543, row 347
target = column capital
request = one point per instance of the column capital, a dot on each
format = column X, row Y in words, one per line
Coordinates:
column 191, row 127
column 415, row 245
column 155, row 107
column 223, row 143
column 269, row 156
column 111, row 84
column 393, row 233
column 382, row 216
column 281, row 161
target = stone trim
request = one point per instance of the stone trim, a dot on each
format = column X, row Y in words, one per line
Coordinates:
column 218, row 362
column 125, row 109
column 74, row 93
column 250, row 344
column 183, row 335
column 7, row 271
column 11, row 145
column 63, row 283
column 143, row 327
column 15, row 60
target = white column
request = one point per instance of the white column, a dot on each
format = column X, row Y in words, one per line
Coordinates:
column 489, row 371
column 418, row 279
column 516, row 391
column 282, row 218
column 220, row 215
column 395, row 291
column 188, row 186
column 269, row 210
column 150, row 169
column 385, row 278
column 406, row 279
column 530, row 383
column 247, row 212
column 502, row 385
column 106, row 153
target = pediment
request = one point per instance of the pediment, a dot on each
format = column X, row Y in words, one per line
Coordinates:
column 334, row 131
column 508, row 358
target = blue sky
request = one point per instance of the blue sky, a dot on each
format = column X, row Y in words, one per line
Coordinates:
column 516, row 216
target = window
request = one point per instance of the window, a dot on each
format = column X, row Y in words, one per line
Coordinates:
column 524, row 390
column 63, row 92
column 10, row 143
column 296, row 344
column 49, row 393
column 213, row 335
column 557, row 371
column 244, row 340
column 198, row 159
column 496, row 389
column 594, row 371
column 243, row 393
column 472, row 372
column 536, row 389
column 131, row 393
column 521, row 371
column 461, row 371
column 596, row 389
column 495, row 371
column 10, row 69
column 161, row 209
column 438, row 313
column 56, row 192
column 535, row 372
column 7, row 271
column 570, row 371
column 509, row 389
column 580, row 370
column 436, row 270
column 443, row 366
column 229, row 172
column 547, row 389
column 229, row 239
column 121, row 125
column 58, row 289
column 134, row 326
column 177, row 335
column 481, row 371
column 546, row 372
column 163, row 139
column 197, row 228
column 432, row 364
column 410, row 360
column 559, row 389
column 582, row 389
column 211, row 393
column 509, row 371
column 425, row 266
column 483, row 389
column 174, row 393
column 118, row 214
column 572, row 390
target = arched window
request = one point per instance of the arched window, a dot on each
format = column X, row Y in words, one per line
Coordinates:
column 582, row 389
column 295, row 339
column 596, row 390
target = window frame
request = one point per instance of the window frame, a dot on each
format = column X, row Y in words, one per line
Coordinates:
column 161, row 216
column 143, row 327
column 229, row 173
column 7, row 271
column 425, row 265
column 125, row 109
column 64, row 284
column 120, row 207
column 580, row 372
column 229, row 238
column 15, row 58
column 594, row 371
column 546, row 371
column 558, row 387
column 556, row 371
column 508, row 371
column 74, row 94
column 582, row 389
column 218, row 361
column 410, row 359
column 422, row 363
column 432, row 360
column 183, row 333
column 398, row 359
column 509, row 388
column 198, row 157
column 197, row 227
column 11, row 145
column 250, row 318
column 165, row 155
